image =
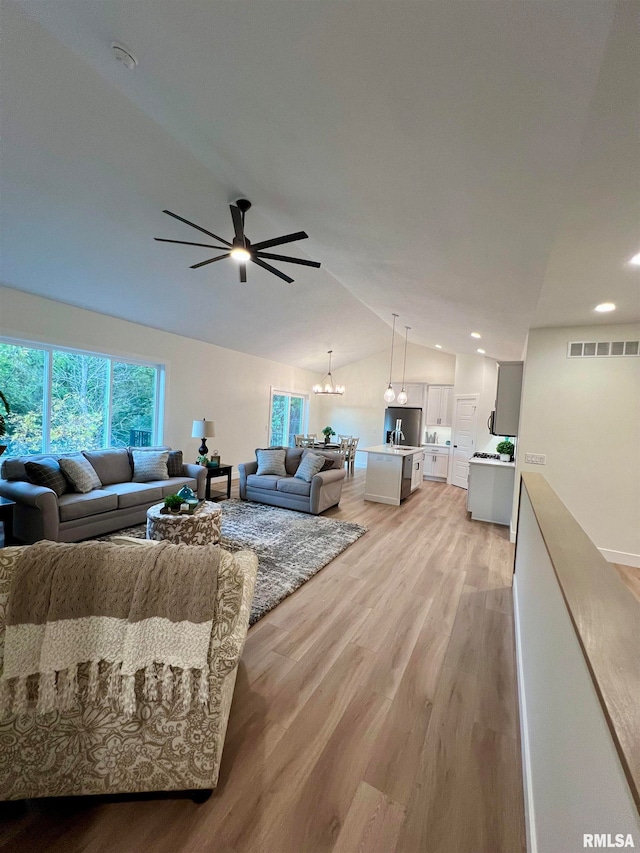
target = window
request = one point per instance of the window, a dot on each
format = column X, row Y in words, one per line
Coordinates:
column 65, row 400
column 288, row 417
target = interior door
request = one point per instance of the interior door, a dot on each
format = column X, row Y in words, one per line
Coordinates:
column 464, row 437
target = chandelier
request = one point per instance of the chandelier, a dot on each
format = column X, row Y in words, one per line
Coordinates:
column 328, row 386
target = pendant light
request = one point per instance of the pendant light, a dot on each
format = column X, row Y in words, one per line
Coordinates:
column 328, row 386
column 402, row 396
column 390, row 394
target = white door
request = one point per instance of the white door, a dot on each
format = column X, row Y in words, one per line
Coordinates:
column 464, row 437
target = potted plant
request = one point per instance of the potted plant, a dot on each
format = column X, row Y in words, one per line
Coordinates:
column 173, row 503
column 506, row 449
column 3, row 423
column 327, row 432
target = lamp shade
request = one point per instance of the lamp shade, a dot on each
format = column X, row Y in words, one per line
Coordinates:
column 203, row 429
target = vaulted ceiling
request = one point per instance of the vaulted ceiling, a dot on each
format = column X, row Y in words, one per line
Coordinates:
column 470, row 165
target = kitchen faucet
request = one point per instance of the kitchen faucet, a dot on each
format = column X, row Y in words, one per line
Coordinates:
column 397, row 435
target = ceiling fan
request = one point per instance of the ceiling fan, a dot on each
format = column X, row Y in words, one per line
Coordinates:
column 241, row 249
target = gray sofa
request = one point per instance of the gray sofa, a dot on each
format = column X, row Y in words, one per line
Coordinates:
column 289, row 492
column 40, row 514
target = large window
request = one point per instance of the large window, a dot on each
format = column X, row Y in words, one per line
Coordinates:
column 288, row 417
column 68, row 400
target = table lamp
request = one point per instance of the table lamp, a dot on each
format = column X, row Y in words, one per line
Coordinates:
column 203, row 429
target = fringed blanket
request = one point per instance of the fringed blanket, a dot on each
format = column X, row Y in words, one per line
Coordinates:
column 118, row 609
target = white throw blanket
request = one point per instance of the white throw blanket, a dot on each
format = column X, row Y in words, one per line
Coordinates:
column 116, row 611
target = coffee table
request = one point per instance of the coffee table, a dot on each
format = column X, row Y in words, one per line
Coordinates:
column 202, row 527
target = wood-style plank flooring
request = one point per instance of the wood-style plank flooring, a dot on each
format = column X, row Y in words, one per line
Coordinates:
column 375, row 710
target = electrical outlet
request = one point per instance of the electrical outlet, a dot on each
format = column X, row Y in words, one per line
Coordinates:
column 536, row 458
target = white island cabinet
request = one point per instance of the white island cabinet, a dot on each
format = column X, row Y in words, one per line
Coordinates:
column 392, row 473
column 490, row 494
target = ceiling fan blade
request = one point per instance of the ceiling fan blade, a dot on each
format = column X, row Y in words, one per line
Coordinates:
column 236, row 216
column 271, row 269
column 278, row 241
column 243, row 273
column 197, row 227
column 210, row 261
column 185, row 243
column 285, row 258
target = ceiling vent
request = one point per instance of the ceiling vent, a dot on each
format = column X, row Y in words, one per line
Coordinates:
column 602, row 349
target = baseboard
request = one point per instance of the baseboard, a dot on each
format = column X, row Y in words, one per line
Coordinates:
column 621, row 557
column 529, row 812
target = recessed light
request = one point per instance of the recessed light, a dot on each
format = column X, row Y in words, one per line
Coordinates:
column 604, row 307
column 635, row 260
column 124, row 55
column 481, row 351
column 438, row 346
column 476, row 335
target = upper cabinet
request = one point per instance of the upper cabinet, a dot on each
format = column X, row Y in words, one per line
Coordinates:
column 439, row 405
column 507, row 413
column 415, row 394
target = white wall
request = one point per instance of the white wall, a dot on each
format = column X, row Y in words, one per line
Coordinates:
column 583, row 414
column 574, row 782
column 477, row 374
column 202, row 380
column 361, row 410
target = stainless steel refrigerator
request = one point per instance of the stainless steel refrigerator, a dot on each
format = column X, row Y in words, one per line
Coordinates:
column 410, row 418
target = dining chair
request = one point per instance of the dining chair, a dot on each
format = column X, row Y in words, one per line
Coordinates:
column 298, row 440
column 307, row 441
column 351, row 454
column 344, row 451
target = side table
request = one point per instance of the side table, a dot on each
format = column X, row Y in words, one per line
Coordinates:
column 201, row 527
column 6, row 517
column 218, row 471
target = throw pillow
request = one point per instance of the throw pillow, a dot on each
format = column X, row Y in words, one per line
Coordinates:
column 80, row 473
column 271, row 461
column 174, row 463
column 310, row 465
column 47, row 472
column 149, row 465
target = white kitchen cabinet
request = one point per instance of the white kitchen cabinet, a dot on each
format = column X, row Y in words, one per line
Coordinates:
column 490, row 494
column 436, row 463
column 417, row 470
column 415, row 394
column 439, row 408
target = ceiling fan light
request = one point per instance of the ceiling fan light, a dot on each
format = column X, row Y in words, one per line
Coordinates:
column 402, row 398
column 239, row 254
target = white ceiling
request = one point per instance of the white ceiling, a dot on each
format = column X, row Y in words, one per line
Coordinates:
column 469, row 165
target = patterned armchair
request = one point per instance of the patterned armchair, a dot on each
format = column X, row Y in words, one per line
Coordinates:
column 97, row 750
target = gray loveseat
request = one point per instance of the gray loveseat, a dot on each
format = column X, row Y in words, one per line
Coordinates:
column 289, row 492
column 40, row 513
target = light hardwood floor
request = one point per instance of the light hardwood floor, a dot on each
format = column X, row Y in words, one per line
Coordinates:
column 375, row 710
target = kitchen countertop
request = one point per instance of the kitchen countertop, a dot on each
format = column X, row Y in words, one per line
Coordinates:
column 495, row 462
column 404, row 450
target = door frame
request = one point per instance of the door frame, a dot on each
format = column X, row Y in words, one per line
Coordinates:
column 274, row 389
column 456, row 397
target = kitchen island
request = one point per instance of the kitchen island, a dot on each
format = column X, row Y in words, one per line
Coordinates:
column 393, row 472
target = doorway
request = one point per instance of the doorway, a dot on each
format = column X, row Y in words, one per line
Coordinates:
column 288, row 417
column 464, row 438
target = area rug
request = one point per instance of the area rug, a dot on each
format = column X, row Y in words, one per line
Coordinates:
column 291, row 546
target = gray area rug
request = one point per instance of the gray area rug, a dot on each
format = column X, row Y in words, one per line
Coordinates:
column 291, row 546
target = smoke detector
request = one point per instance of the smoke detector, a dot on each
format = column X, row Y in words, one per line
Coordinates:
column 124, row 55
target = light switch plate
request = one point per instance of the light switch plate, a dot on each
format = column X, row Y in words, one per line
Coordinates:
column 536, row 458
